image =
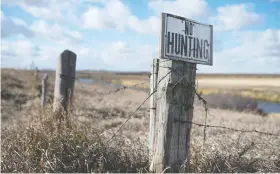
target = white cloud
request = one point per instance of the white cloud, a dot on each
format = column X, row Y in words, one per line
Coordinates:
column 185, row 8
column 233, row 17
column 43, row 56
column 255, row 52
column 261, row 44
column 18, row 22
column 3, row 17
column 37, row 8
column 19, row 57
column 121, row 55
column 250, row 51
column 48, row 9
column 52, row 12
column 38, row 3
column 55, row 32
column 25, row 47
column 149, row 26
column 14, row 26
column 114, row 15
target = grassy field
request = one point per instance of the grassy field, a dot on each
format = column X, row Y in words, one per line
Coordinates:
column 33, row 141
column 260, row 87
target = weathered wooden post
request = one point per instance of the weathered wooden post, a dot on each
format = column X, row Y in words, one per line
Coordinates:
column 153, row 87
column 44, row 90
column 186, row 43
column 36, row 73
column 64, row 80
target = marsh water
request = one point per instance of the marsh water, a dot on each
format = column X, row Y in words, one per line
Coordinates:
column 216, row 100
column 269, row 107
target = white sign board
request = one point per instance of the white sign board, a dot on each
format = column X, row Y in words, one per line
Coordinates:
column 186, row 40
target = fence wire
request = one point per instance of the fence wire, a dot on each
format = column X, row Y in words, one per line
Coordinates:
column 194, row 88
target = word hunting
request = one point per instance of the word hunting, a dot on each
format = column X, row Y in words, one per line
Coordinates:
column 186, row 45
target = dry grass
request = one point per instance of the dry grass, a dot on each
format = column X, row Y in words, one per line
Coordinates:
column 35, row 142
column 260, row 87
column 46, row 145
column 253, row 93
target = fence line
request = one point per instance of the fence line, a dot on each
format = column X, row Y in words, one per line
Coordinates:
column 65, row 79
column 200, row 98
column 129, row 117
column 232, row 129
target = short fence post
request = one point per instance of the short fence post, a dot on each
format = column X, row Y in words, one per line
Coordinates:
column 153, row 87
column 174, row 112
column 64, row 80
column 44, row 90
column 36, row 73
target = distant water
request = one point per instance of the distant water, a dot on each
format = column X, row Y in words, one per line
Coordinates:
column 86, row 81
column 92, row 81
column 230, row 101
column 266, row 106
column 269, row 107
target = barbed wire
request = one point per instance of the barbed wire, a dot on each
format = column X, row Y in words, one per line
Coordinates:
column 232, row 129
column 130, row 116
column 126, row 86
column 123, row 87
column 194, row 88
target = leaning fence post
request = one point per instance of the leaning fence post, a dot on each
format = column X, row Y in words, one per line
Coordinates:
column 64, row 80
column 153, row 87
column 44, row 90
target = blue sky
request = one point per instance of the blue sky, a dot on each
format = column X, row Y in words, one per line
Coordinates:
column 124, row 34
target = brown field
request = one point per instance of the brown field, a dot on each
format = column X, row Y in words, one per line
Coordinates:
column 256, row 86
column 32, row 141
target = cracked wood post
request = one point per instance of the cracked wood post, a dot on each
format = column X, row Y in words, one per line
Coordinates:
column 44, row 90
column 64, row 81
column 174, row 108
column 153, row 86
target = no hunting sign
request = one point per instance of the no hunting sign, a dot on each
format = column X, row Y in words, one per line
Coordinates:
column 186, row 40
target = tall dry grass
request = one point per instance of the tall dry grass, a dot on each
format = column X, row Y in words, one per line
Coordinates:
column 36, row 142
column 40, row 143
column 43, row 144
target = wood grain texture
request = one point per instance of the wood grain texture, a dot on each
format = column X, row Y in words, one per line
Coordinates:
column 153, row 86
column 44, row 90
column 175, row 99
column 64, row 80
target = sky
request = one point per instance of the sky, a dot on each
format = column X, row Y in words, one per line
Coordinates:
column 123, row 35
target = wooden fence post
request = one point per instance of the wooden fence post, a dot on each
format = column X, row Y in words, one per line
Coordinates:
column 174, row 112
column 153, row 86
column 64, row 80
column 36, row 73
column 44, row 90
